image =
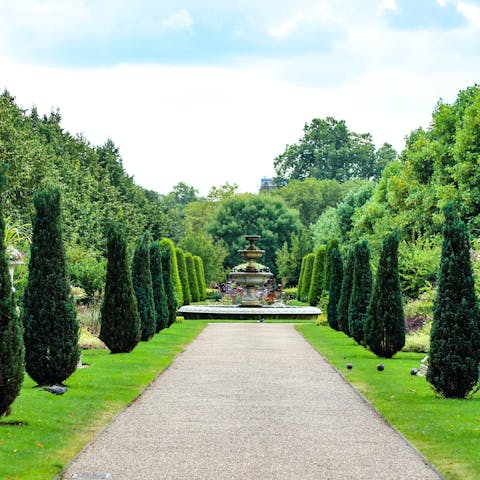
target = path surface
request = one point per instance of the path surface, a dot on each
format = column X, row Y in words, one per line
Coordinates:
column 249, row 401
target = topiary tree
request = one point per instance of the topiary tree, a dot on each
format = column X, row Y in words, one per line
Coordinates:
column 384, row 329
column 158, row 286
column 345, row 294
column 301, row 279
column 142, row 286
column 182, row 272
column 335, row 286
column 167, row 269
column 49, row 316
column 177, row 284
column 12, row 353
column 192, row 277
column 318, row 279
column 202, row 287
column 326, row 276
column 308, row 276
column 455, row 338
column 120, row 322
column 361, row 290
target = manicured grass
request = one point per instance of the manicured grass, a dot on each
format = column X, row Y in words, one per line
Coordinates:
column 45, row 431
column 447, row 432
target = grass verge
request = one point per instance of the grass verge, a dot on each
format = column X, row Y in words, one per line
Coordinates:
column 446, row 431
column 45, row 431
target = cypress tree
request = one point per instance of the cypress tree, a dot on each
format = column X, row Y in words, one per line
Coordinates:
column 167, row 269
column 384, row 328
column 455, row 344
column 361, row 290
column 202, row 287
column 12, row 353
column 335, row 286
column 192, row 277
column 330, row 246
column 301, row 279
column 345, row 294
column 318, row 279
column 177, row 284
column 142, row 286
column 308, row 276
column 49, row 316
column 182, row 272
column 159, row 294
column 120, row 323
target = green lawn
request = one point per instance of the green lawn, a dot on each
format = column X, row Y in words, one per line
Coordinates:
column 45, row 431
column 447, row 432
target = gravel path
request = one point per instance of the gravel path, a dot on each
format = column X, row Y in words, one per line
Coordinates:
column 249, row 401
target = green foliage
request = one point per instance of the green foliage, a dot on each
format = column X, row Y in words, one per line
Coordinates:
column 182, row 271
column 49, row 318
column 168, row 275
column 318, row 276
column 384, row 328
column 192, row 277
column 168, row 243
column 345, row 294
column 329, row 150
column 455, row 339
column 202, row 287
column 335, row 286
column 12, row 353
column 326, row 275
column 301, row 278
column 159, row 295
column 120, row 321
column 361, row 290
column 310, row 260
column 86, row 270
column 142, row 286
column 266, row 215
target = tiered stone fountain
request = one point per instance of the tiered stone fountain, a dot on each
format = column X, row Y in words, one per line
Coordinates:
column 251, row 278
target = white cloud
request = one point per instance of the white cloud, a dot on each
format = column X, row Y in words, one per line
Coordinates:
column 180, row 20
column 442, row 3
column 387, row 5
column 471, row 12
column 286, row 27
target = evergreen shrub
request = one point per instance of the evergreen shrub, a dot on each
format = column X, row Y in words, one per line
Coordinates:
column 182, row 272
column 49, row 315
column 177, row 284
column 192, row 277
column 167, row 269
column 308, row 276
column 200, row 272
column 158, row 286
column 345, row 294
column 335, row 286
column 301, row 279
column 318, row 278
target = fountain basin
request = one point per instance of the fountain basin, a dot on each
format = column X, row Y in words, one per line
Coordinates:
column 237, row 312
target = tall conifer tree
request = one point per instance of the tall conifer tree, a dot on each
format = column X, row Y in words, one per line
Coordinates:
column 301, row 278
column 202, row 287
column 385, row 325
column 120, row 321
column 345, row 294
column 318, row 277
column 12, row 354
column 49, row 316
column 142, row 286
column 177, row 283
column 335, row 286
column 192, row 277
column 361, row 290
column 454, row 355
column 182, row 272
column 159, row 294
column 167, row 268
column 308, row 276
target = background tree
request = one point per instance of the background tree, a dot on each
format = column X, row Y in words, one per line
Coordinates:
column 262, row 214
column 158, row 286
column 192, row 277
column 318, row 278
column 167, row 269
column 384, row 329
column 454, row 355
column 329, row 150
column 361, row 290
column 335, row 286
column 182, row 272
column 142, row 286
column 345, row 294
column 12, row 353
column 120, row 322
column 49, row 317
column 199, row 271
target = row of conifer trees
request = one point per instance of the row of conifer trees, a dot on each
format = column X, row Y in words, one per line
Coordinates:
column 140, row 299
column 372, row 312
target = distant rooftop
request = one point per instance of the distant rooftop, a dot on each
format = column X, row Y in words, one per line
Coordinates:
column 266, row 184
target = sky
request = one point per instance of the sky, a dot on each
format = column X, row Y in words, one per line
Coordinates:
column 210, row 91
